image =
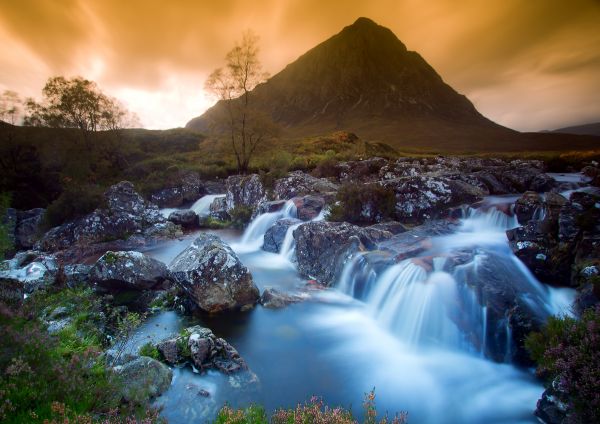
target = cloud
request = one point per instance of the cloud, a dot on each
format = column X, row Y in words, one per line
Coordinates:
column 504, row 55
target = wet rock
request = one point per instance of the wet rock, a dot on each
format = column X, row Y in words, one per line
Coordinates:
column 218, row 209
column 122, row 271
column 492, row 183
column 127, row 215
column 542, row 183
column 146, row 378
column 186, row 219
column 308, row 207
column 568, row 230
column 298, row 183
column 76, row 275
column 553, row 406
column 244, row 190
column 31, row 270
column 274, row 299
column 27, row 230
column 170, row 351
column 275, row 235
column 322, row 247
column 212, row 275
column 271, row 206
column 554, row 202
column 527, row 206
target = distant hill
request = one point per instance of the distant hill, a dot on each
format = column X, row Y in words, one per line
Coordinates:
column 586, row 129
column 364, row 80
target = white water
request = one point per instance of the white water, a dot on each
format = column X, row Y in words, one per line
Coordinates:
column 202, row 205
column 254, row 236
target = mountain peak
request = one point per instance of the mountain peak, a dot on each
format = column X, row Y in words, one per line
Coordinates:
column 364, row 22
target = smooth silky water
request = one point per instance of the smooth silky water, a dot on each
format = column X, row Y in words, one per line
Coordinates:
column 389, row 330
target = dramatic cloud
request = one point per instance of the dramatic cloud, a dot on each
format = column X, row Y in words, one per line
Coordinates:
column 525, row 64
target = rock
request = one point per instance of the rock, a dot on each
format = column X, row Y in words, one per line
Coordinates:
column 218, row 209
column 11, row 292
column 274, row 237
column 76, row 275
column 244, row 190
column 146, row 378
column 274, row 299
column 553, row 406
column 204, row 350
column 271, row 206
column 393, row 227
column 420, row 198
column 187, row 187
column 32, row 270
column 170, row 351
column 568, row 230
column 127, row 215
column 542, row 183
column 322, row 247
column 186, row 219
column 527, row 206
column 492, row 183
column 122, row 271
column 298, row 183
column 554, row 202
column 361, row 170
column 28, row 228
column 308, row 207
column 212, row 275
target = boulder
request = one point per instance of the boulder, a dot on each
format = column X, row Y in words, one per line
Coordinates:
column 527, row 206
column 127, row 214
column 492, row 183
column 212, row 275
column 244, row 190
column 124, row 271
column 322, row 247
column 146, row 378
column 274, row 237
column 31, row 270
column 393, row 227
column 361, row 170
column 187, row 219
column 203, row 349
column 298, row 183
column 270, row 206
column 553, row 407
column 308, row 207
column 27, row 230
column 76, row 275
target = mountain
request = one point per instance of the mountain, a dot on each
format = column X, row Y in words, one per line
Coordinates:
column 364, row 80
column 585, row 129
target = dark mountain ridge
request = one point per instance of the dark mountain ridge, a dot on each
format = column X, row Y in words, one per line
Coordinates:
column 364, row 80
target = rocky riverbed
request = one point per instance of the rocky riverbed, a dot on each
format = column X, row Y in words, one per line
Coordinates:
column 477, row 253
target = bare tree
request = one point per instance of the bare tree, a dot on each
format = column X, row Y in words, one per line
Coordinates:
column 10, row 107
column 233, row 84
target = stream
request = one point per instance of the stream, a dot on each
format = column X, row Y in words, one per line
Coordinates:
column 394, row 330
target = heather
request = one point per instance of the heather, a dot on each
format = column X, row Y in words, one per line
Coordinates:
column 567, row 352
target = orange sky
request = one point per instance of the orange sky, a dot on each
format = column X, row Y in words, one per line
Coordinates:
column 526, row 64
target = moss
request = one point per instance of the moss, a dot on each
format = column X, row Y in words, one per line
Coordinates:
column 110, row 258
column 215, row 224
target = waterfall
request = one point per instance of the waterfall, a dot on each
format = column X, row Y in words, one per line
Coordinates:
column 202, row 205
column 288, row 247
column 253, row 237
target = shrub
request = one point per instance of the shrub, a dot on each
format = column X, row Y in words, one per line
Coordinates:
column 363, row 203
column 327, row 168
column 150, row 350
column 76, row 201
column 568, row 351
column 241, row 216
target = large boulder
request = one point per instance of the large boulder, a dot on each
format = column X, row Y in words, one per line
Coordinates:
column 322, row 247
column 127, row 214
column 124, row 271
column 145, row 378
column 275, row 235
column 421, row 197
column 298, row 183
column 213, row 276
column 187, row 219
column 244, row 190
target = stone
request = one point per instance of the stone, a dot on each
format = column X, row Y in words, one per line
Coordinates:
column 298, row 183
column 527, row 206
column 218, row 209
column 244, row 190
column 123, row 271
column 322, row 247
column 187, row 219
column 308, row 207
column 211, row 274
column 274, row 299
column 146, row 378
column 274, row 236
column 27, row 230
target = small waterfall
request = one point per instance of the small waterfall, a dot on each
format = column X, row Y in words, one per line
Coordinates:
column 357, row 277
column 253, row 237
column 539, row 214
column 288, row 247
column 202, row 205
column 492, row 219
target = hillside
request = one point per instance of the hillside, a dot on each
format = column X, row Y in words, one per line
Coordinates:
column 585, row 129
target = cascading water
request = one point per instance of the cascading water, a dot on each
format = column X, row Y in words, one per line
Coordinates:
column 253, row 237
column 202, row 205
column 442, row 298
column 288, row 246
